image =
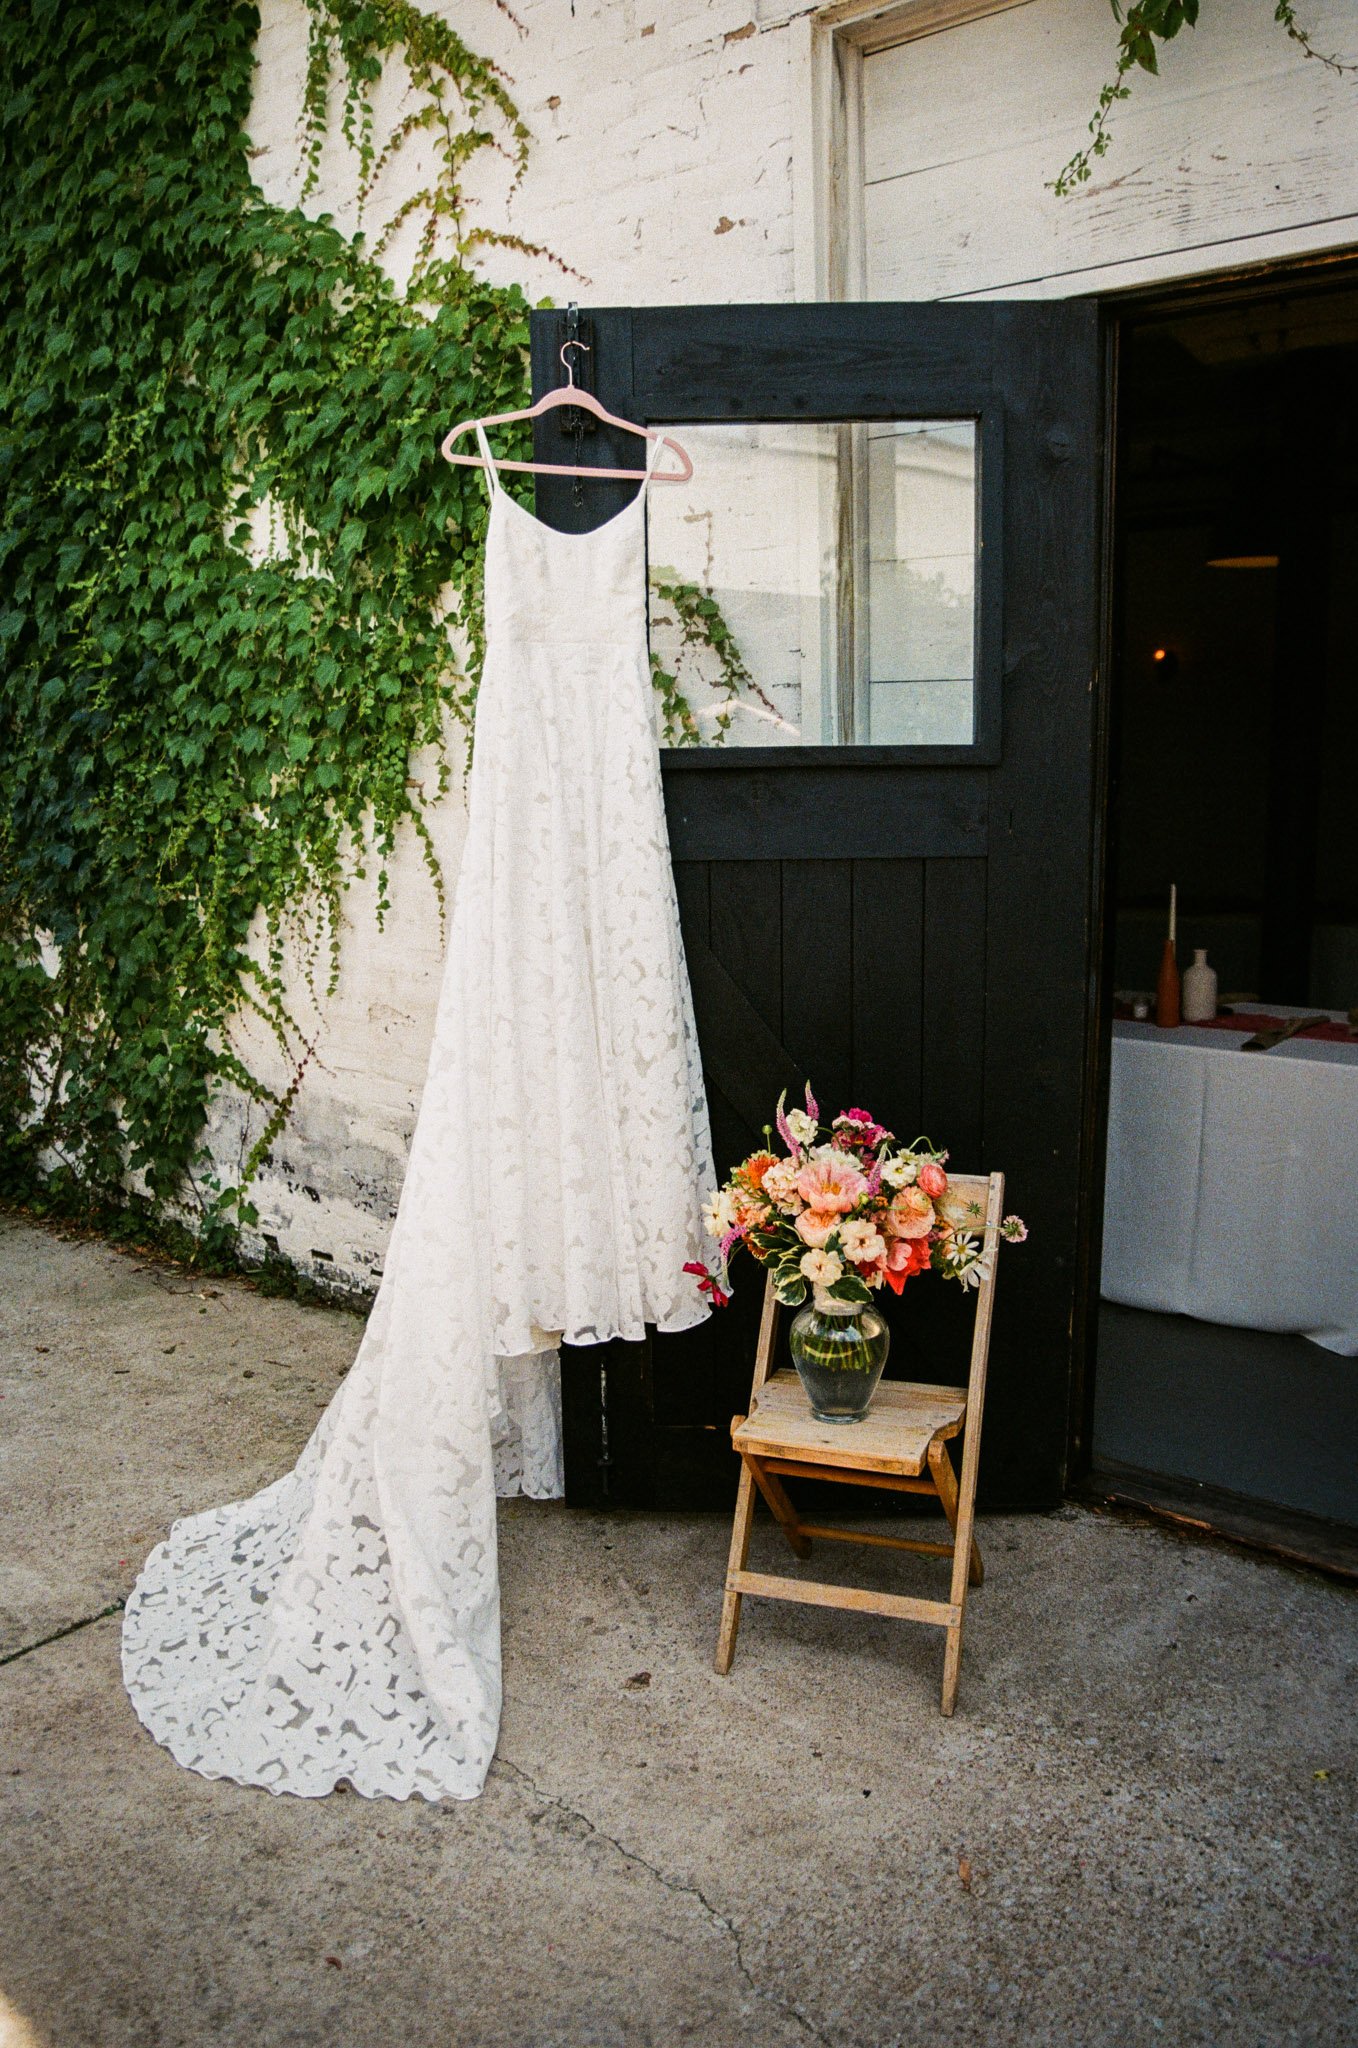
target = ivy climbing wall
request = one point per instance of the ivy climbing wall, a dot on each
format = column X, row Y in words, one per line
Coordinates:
column 239, row 624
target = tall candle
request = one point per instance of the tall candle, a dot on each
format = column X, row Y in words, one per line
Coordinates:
column 1173, row 911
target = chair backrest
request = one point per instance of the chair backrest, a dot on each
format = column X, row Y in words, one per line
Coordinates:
column 974, row 1202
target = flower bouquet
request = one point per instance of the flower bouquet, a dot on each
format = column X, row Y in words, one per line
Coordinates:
column 842, row 1212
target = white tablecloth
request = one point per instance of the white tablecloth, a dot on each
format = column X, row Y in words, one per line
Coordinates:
column 1232, row 1189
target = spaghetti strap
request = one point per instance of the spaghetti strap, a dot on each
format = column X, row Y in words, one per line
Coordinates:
column 490, row 471
column 654, row 452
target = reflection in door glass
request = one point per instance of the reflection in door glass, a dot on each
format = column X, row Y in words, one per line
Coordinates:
column 921, row 583
column 813, row 584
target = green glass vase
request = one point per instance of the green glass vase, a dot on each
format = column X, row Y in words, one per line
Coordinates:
column 839, row 1349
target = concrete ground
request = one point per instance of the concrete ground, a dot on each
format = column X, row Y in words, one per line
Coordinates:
column 1139, row 1828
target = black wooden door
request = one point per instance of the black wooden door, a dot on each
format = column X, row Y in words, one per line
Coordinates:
column 910, row 929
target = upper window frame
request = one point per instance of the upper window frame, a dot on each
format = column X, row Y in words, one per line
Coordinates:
column 785, row 364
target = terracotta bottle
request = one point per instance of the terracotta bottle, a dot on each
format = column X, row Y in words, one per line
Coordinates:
column 1167, row 989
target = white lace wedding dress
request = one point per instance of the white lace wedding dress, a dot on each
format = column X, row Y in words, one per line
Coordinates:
column 345, row 1622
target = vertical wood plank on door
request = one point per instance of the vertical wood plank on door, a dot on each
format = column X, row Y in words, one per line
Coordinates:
column 747, row 934
column 888, row 987
column 817, row 899
column 954, row 987
column 1039, row 865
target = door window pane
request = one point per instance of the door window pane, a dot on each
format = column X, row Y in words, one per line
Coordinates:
column 742, row 574
column 814, row 584
column 921, row 583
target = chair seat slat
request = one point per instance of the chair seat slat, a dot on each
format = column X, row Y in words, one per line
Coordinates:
column 906, row 1418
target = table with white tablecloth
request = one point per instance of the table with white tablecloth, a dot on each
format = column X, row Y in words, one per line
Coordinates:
column 1232, row 1185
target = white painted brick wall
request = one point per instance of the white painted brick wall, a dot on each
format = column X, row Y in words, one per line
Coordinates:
column 661, row 171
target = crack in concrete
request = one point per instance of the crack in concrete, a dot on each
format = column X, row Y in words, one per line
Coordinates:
column 721, row 1920
column 70, row 1629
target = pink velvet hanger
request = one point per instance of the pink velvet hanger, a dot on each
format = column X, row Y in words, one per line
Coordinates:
column 570, row 393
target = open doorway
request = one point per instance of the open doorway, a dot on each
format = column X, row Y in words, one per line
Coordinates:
column 1227, row 1349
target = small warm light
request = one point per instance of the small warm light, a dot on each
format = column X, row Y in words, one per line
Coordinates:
column 1160, row 654
column 1243, row 562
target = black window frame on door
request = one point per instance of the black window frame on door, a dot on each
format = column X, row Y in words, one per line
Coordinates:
column 983, row 748
column 1041, row 459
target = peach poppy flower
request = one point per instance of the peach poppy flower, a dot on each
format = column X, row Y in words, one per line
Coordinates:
column 830, row 1181
column 814, row 1226
column 933, row 1180
column 911, row 1214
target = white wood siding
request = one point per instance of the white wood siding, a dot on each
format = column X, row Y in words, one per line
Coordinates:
column 1241, row 149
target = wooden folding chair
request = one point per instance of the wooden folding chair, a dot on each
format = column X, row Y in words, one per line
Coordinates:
column 902, row 1445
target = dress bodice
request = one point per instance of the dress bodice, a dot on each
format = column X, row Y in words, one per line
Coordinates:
column 570, row 589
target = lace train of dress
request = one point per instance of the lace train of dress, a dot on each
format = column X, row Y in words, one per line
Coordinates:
column 345, row 1622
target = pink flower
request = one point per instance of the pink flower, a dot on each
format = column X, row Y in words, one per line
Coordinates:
column 857, row 1131
column 911, row 1214
column 815, row 1225
column 933, row 1180
column 830, row 1181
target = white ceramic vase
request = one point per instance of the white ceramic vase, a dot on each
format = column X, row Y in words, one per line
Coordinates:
column 1199, row 1003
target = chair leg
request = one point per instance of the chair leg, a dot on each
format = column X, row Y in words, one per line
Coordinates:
column 952, row 1666
column 965, row 1564
column 944, row 1478
column 775, row 1493
column 740, row 1551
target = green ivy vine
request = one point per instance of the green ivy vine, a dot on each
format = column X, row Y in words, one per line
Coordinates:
column 703, row 631
column 228, row 545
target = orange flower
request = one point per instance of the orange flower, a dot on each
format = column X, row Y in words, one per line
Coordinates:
column 755, row 1167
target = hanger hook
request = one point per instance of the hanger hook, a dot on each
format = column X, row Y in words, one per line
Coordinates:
column 570, row 367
